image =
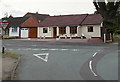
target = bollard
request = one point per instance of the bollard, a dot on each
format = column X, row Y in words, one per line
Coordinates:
column 65, row 36
column 3, row 50
column 44, row 37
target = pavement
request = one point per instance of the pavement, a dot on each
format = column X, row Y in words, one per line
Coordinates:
column 54, row 60
column 8, row 65
column 54, row 40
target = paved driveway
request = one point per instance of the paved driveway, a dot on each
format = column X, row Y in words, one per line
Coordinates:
column 66, row 60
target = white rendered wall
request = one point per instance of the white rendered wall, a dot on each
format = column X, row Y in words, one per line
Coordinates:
column 14, row 33
column 80, row 29
column 96, row 31
column 48, row 34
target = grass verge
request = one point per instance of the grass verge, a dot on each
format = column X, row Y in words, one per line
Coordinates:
column 116, row 39
column 11, row 54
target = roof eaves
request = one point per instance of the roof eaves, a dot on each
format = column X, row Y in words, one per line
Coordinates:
column 92, row 24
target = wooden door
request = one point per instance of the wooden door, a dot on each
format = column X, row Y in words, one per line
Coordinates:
column 54, row 32
column 32, row 32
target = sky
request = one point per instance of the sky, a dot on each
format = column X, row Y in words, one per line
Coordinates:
column 52, row 7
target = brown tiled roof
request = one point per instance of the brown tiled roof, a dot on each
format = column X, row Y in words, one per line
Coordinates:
column 92, row 19
column 38, row 16
column 63, row 20
column 67, row 20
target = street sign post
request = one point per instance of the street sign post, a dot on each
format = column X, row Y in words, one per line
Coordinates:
column 4, row 26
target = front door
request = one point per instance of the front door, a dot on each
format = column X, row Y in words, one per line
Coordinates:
column 54, row 32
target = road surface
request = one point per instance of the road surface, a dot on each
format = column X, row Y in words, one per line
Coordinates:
column 64, row 60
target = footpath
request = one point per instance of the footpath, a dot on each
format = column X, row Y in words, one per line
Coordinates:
column 93, row 40
column 7, row 67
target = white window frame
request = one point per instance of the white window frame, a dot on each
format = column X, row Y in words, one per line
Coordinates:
column 14, row 29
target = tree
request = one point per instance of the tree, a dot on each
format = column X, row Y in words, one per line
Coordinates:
column 117, row 30
column 108, row 10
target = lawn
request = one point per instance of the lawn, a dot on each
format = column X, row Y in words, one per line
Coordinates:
column 116, row 38
column 11, row 54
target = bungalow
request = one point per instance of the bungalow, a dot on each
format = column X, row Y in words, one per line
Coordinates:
column 24, row 27
column 71, row 26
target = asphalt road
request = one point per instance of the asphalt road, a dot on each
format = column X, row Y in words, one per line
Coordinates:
column 64, row 60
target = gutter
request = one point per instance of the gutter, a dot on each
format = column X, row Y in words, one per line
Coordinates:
column 15, row 68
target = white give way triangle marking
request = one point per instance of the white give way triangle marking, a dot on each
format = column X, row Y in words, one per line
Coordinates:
column 41, row 56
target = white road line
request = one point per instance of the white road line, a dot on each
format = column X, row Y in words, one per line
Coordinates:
column 35, row 49
column 95, row 54
column 53, row 49
column 90, row 65
column 64, row 49
column 75, row 50
column 43, row 54
column 44, row 49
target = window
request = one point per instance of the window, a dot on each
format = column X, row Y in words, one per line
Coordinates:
column 14, row 29
column 73, row 30
column 90, row 28
column 45, row 30
column 62, row 30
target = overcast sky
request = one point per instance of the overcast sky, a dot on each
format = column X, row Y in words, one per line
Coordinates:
column 52, row 7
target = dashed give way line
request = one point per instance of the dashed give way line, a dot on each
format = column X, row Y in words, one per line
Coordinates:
column 45, row 49
column 40, row 56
